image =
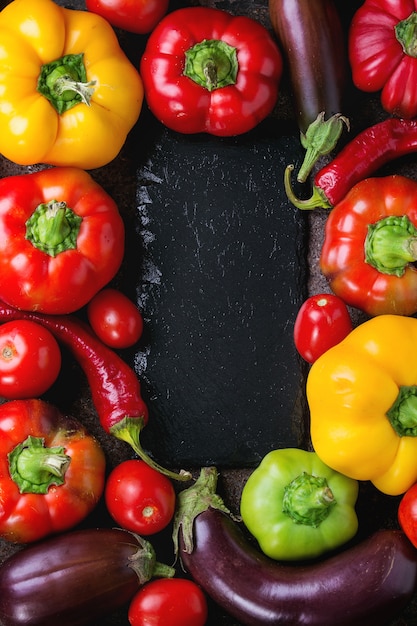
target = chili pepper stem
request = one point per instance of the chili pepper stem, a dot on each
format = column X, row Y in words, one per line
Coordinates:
column 128, row 430
column 317, row 199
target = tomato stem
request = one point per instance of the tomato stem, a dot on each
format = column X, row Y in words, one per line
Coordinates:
column 129, row 429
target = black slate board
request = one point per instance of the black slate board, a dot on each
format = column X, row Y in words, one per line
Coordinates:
column 222, row 278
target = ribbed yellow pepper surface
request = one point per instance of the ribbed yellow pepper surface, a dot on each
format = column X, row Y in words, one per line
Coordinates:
column 362, row 396
column 68, row 93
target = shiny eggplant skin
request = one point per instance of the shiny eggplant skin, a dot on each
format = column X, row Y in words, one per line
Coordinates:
column 68, row 580
column 312, row 40
column 365, row 585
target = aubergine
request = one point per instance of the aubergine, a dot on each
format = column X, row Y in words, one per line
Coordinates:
column 75, row 578
column 364, row 585
column 313, row 43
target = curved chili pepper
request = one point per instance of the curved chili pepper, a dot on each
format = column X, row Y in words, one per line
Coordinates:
column 362, row 156
column 115, row 388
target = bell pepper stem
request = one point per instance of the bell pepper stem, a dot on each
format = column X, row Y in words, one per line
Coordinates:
column 34, row 468
column 128, row 430
column 308, row 499
column 403, row 413
column 53, row 228
column 212, row 64
column 406, row 34
column 391, row 244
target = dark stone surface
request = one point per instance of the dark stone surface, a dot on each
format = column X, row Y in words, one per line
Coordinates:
column 151, row 275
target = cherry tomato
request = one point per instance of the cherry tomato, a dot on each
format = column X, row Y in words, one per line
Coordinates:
column 169, row 602
column 114, row 318
column 135, row 16
column 139, row 498
column 407, row 514
column 322, row 322
column 30, row 360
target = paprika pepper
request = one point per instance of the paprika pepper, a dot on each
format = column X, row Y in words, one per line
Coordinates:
column 370, row 246
column 61, row 239
column 383, row 53
column 297, row 507
column 68, row 93
column 51, row 471
column 205, row 70
column 362, row 396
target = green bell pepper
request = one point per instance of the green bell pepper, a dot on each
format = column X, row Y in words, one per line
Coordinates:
column 297, row 507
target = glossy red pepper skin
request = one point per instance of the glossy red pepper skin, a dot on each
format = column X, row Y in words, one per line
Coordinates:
column 379, row 278
column 384, row 59
column 372, row 148
column 58, row 263
column 29, row 516
column 185, row 106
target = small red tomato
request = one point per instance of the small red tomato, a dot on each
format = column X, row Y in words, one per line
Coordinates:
column 114, row 318
column 30, row 360
column 139, row 498
column 322, row 322
column 407, row 514
column 169, row 602
column 134, row 16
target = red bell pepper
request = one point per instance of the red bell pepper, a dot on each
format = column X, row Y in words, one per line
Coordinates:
column 51, row 471
column 205, row 70
column 370, row 246
column 61, row 239
column 383, row 53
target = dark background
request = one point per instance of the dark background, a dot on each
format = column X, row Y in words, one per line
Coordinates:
column 219, row 263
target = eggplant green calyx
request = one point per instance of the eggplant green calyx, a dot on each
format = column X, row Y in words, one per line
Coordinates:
column 308, row 500
column 391, row 244
column 403, row 413
column 320, row 139
column 35, row 468
column 145, row 565
column 406, row 34
column 193, row 501
column 64, row 82
column 317, row 199
column 212, row 64
column 53, row 228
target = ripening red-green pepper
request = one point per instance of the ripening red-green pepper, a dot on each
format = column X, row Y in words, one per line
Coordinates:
column 370, row 246
column 205, row 70
column 51, row 471
column 383, row 53
column 61, row 239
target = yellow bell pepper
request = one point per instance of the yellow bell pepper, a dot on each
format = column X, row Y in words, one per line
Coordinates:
column 68, row 93
column 362, row 396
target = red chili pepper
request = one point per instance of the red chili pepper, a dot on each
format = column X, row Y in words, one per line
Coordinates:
column 361, row 157
column 115, row 388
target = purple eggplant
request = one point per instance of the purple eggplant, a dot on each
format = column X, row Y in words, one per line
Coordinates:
column 74, row 578
column 365, row 585
column 311, row 37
